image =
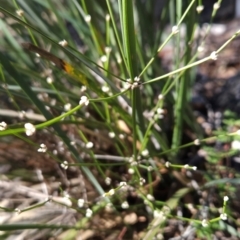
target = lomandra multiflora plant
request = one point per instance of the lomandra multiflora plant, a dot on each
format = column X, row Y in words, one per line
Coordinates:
column 94, row 120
